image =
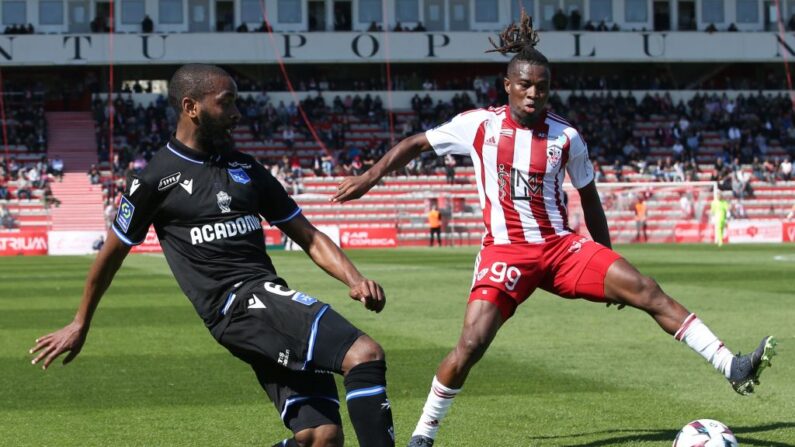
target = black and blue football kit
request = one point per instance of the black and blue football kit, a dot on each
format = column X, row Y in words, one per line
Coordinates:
column 207, row 212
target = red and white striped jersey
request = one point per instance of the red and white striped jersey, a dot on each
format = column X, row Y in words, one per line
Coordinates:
column 519, row 171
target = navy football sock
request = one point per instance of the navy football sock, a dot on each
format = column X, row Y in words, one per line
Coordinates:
column 368, row 405
column 286, row 443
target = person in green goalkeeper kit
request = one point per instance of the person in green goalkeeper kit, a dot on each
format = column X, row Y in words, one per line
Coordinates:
column 720, row 212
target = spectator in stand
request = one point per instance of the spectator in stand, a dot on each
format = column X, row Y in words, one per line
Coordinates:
column 6, row 219
column 35, row 178
column 769, row 171
column 3, row 188
column 599, row 172
column 741, row 184
column 449, row 168
column 618, row 170
column 94, row 175
column 57, row 167
column 357, row 166
column 23, row 188
column 575, row 19
column 559, row 20
column 48, row 199
column 288, row 135
column 785, row 169
column 327, row 164
column 435, row 225
column 147, row 26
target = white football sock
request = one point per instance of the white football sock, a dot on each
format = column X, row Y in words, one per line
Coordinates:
column 436, row 407
column 700, row 339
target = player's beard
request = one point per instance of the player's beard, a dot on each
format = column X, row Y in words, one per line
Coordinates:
column 213, row 135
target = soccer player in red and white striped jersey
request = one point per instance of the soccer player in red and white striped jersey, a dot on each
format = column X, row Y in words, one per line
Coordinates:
column 520, row 152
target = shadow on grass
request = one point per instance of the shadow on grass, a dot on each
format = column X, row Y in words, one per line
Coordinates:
column 647, row 435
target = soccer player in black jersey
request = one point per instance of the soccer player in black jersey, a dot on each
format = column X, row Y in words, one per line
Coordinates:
column 206, row 202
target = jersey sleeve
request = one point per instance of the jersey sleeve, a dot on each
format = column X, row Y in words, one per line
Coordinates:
column 275, row 205
column 456, row 136
column 136, row 211
column 579, row 165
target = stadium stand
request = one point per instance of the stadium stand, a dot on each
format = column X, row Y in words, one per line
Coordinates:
column 25, row 174
column 632, row 137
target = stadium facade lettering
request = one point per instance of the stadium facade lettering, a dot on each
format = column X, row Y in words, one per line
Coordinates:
column 257, row 48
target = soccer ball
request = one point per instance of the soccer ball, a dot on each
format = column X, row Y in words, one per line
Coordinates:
column 705, row 433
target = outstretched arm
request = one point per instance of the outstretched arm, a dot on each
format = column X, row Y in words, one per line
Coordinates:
column 595, row 218
column 328, row 256
column 399, row 156
column 72, row 336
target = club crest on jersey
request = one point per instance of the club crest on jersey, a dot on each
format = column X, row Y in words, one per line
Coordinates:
column 239, row 175
column 554, row 154
column 224, row 200
column 168, row 181
column 525, row 186
column 126, row 211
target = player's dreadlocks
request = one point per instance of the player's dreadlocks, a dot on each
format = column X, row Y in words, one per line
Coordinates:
column 521, row 39
column 192, row 81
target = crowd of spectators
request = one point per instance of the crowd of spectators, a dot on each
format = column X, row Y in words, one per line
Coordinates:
column 17, row 29
column 658, row 80
column 744, row 130
column 27, row 181
column 25, row 122
column 138, row 132
column 741, row 133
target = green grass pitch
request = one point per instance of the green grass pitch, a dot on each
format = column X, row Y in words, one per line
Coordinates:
column 560, row 373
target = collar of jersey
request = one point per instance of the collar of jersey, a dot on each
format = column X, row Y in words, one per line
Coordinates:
column 541, row 119
column 186, row 153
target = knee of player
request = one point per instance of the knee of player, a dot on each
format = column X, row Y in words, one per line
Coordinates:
column 323, row 436
column 471, row 348
column 363, row 350
column 648, row 289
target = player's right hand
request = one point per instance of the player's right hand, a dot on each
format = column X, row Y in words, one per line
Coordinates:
column 69, row 338
column 618, row 305
column 370, row 293
column 352, row 188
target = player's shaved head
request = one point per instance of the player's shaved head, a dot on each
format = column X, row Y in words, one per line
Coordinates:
column 193, row 81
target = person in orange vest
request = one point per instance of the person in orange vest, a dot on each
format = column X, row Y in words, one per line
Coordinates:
column 640, row 220
column 435, row 224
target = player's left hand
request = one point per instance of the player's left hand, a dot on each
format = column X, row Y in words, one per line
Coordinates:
column 370, row 293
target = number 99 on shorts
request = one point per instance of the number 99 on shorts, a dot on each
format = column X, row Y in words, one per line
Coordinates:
column 500, row 273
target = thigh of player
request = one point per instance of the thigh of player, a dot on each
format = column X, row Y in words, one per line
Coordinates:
column 506, row 275
column 578, row 267
column 295, row 343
